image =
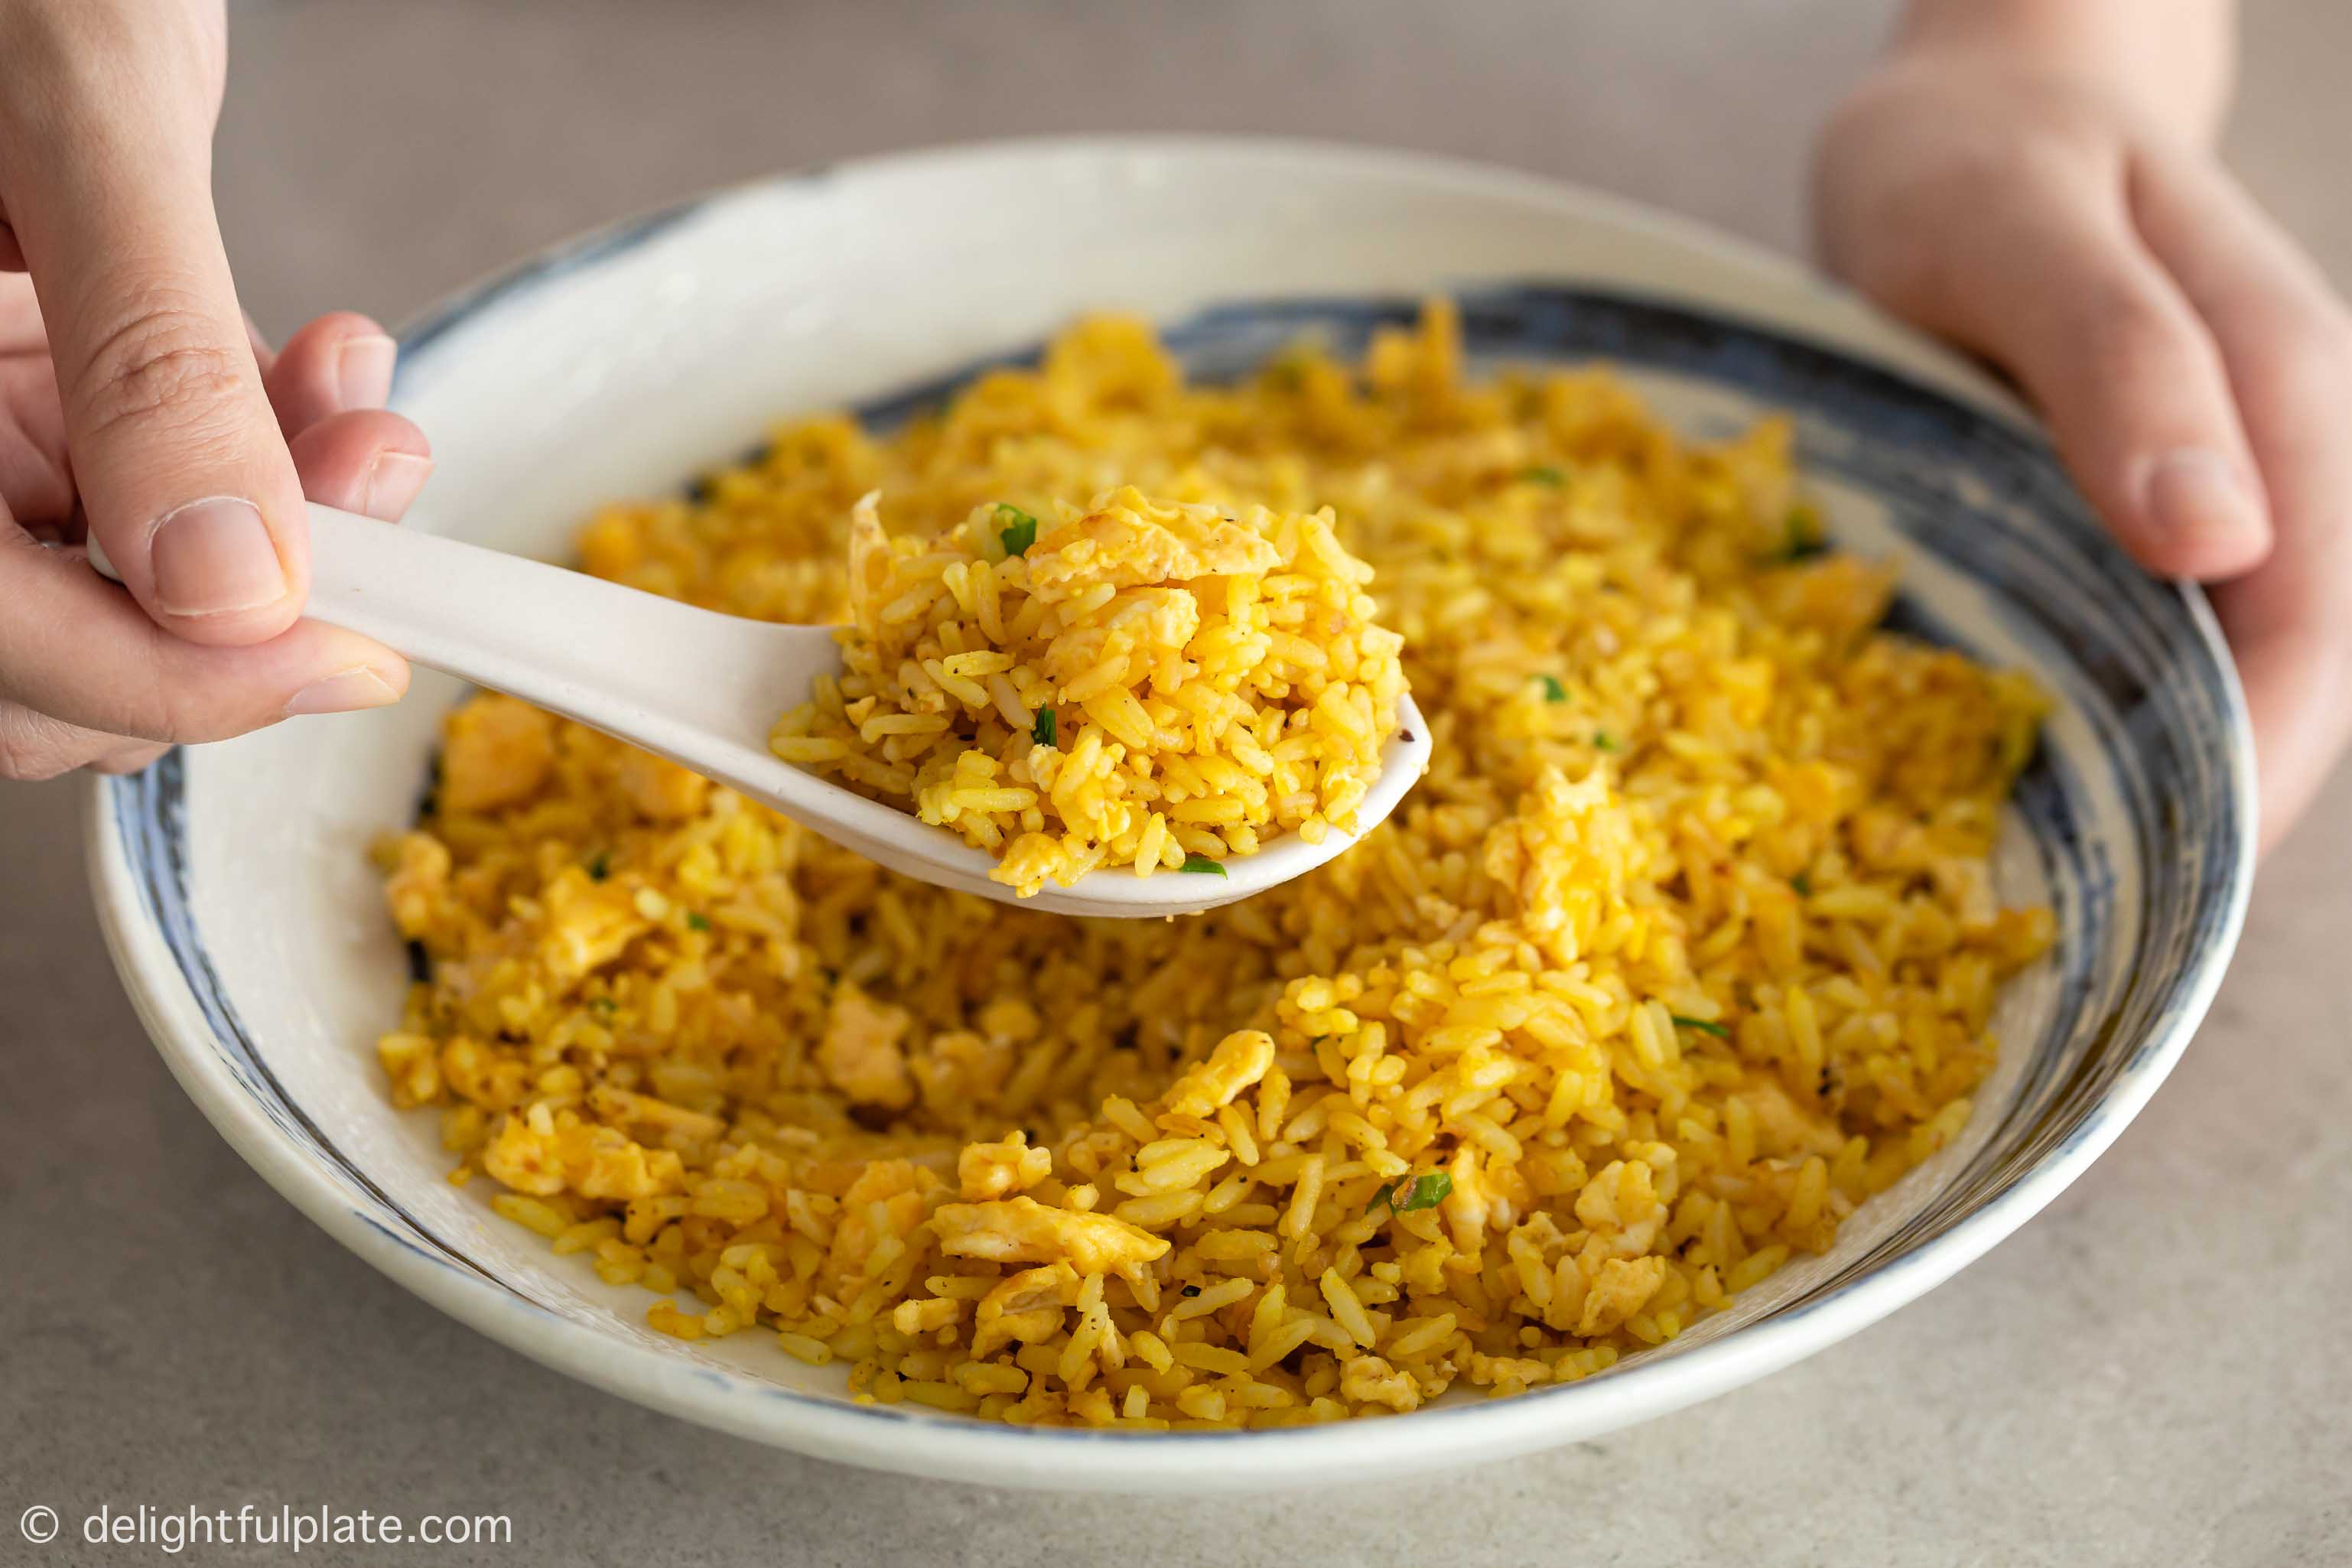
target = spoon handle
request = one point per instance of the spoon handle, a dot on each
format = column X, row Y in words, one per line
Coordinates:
column 630, row 663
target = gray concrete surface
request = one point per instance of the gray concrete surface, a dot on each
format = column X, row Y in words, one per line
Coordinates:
column 2154, row 1370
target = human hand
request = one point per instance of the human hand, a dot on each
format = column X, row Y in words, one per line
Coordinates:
column 134, row 406
column 2194, row 366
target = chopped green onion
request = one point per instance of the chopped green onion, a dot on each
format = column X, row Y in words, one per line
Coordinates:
column 1803, row 537
column 1021, row 529
column 600, row 867
column 1544, row 474
column 1803, row 884
column 605, row 1005
column 1553, row 690
column 1202, row 863
column 1421, row 1192
column 1043, row 732
column 1603, row 742
column 1703, row 1025
column 698, row 923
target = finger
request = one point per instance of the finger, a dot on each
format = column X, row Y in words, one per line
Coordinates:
column 80, row 650
column 33, row 746
column 35, row 474
column 181, row 470
column 128, row 758
column 22, row 330
column 35, row 477
column 2287, row 343
column 2297, row 675
column 339, row 362
column 264, row 356
column 366, row 461
column 2048, row 276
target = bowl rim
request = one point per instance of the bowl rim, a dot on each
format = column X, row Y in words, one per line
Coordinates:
column 897, row 1438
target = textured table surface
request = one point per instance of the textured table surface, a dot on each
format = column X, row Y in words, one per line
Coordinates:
column 2154, row 1370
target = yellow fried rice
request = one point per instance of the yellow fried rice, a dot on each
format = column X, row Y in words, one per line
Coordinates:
column 1685, row 946
column 1149, row 684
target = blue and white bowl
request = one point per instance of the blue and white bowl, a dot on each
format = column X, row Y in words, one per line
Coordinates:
column 248, row 927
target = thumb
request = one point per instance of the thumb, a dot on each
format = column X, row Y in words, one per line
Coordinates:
column 2054, row 283
column 181, row 468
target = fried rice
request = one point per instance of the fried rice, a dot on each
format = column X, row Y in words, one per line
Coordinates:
column 1685, row 946
column 1148, row 684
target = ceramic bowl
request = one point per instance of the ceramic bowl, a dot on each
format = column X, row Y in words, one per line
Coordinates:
column 249, row 929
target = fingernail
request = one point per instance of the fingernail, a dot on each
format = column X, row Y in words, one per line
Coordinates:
column 2196, row 493
column 213, row 557
column 363, row 370
column 393, row 481
column 347, row 692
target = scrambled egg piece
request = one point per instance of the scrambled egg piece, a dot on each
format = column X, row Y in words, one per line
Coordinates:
column 1138, row 631
column 660, row 788
column 412, row 1062
column 1784, row 1130
column 959, row 1069
column 1369, row 1379
column 869, row 554
column 589, row 925
column 985, row 1171
column 419, row 876
column 1620, row 1206
column 1023, row 1230
column 1240, row 1060
column 1623, row 1288
column 1130, row 541
column 497, row 751
column 533, row 1154
column 881, row 1208
column 859, row 1053
column 1027, row 1307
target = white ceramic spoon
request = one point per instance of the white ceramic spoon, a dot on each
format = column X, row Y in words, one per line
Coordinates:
column 704, row 690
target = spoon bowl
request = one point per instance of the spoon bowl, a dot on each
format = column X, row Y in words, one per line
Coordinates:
column 703, row 689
